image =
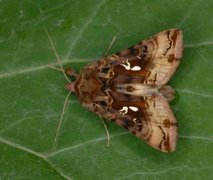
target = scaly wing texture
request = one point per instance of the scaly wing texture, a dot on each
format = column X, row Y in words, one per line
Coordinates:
column 153, row 123
column 151, row 63
column 149, row 118
column 155, row 59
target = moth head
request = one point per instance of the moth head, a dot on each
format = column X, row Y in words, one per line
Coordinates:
column 71, row 87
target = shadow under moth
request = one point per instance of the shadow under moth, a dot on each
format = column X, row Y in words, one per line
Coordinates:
column 130, row 88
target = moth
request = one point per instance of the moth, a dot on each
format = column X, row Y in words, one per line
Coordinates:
column 130, row 88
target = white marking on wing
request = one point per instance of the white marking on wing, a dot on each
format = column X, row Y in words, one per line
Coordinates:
column 136, row 68
column 126, row 65
column 124, row 110
column 133, row 108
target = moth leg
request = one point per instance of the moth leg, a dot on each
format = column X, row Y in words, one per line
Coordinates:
column 102, row 75
column 101, row 98
column 70, row 72
column 110, row 45
column 106, row 129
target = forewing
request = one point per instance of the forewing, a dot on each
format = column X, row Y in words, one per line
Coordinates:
column 166, row 51
column 150, row 119
column 154, row 59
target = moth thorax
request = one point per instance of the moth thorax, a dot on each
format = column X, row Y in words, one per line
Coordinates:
column 136, row 89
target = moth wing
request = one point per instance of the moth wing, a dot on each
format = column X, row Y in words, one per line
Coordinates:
column 154, row 122
column 153, row 62
column 159, row 125
column 155, row 59
column 164, row 57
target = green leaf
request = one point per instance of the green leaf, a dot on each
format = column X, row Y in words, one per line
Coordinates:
column 32, row 94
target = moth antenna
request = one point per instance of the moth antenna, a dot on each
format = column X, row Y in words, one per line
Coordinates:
column 66, row 99
column 110, row 45
column 55, row 68
column 56, row 54
column 60, row 121
column 106, row 129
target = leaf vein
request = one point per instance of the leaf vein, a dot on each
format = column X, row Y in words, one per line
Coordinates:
column 18, row 122
column 165, row 171
column 196, row 137
column 36, row 154
column 187, row 91
column 84, row 144
column 83, row 28
column 199, row 44
column 41, row 67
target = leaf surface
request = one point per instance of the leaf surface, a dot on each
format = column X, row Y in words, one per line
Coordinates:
column 32, row 94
